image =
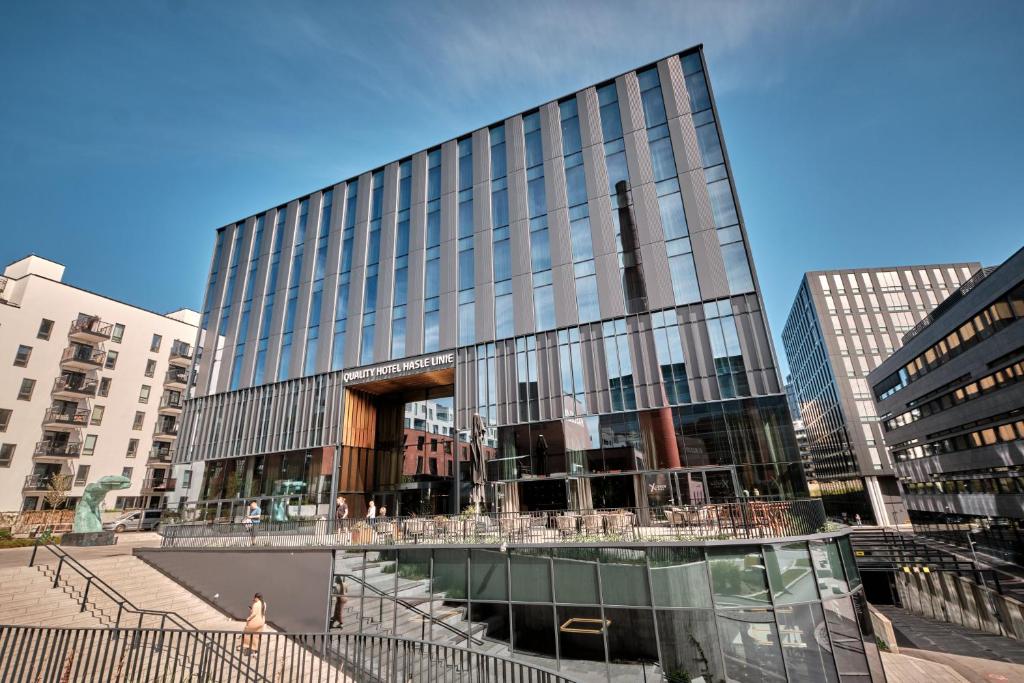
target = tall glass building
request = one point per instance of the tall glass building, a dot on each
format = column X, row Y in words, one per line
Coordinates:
column 578, row 276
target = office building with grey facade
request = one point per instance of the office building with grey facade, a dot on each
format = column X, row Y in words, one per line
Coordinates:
column 842, row 325
column 951, row 402
column 578, row 276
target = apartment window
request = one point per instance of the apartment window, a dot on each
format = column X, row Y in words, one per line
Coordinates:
column 118, row 333
column 186, row 479
column 97, row 414
column 126, row 472
column 144, row 394
column 82, row 475
column 22, row 356
column 5, row 418
column 133, row 449
column 154, row 345
column 104, row 389
column 150, row 367
column 6, row 454
column 139, row 419
column 27, row 387
column 45, row 328
column 89, row 445
column 111, row 360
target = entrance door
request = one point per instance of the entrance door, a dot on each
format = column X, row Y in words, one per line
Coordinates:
column 712, row 485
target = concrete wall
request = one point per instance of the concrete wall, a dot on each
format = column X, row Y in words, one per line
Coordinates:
column 944, row 596
column 293, row 582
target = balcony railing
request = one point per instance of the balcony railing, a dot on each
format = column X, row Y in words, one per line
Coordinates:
column 73, row 418
column 62, row 450
column 172, row 402
column 158, row 484
column 81, row 356
column 160, row 455
column 67, row 385
column 713, row 521
column 91, row 326
column 166, row 430
column 36, row 482
column 176, row 376
column 181, row 351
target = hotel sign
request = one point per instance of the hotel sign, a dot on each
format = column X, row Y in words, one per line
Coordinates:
column 396, row 369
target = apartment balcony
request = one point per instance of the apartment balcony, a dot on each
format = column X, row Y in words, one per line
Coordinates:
column 166, row 433
column 171, row 405
column 90, row 329
column 56, row 418
column 181, row 355
column 85, row 359
column 160, row 455
column 158, row 485
column 176, row 378
column 51, row 449
column 73, row 388
column 36, row 482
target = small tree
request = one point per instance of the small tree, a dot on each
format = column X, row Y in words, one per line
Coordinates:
column 57, row 490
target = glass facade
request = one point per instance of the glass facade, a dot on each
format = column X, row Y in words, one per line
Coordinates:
column 781, row 611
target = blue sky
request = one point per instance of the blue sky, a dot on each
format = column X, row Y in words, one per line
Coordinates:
column 861, row 134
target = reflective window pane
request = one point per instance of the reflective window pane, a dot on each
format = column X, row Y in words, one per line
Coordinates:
column 789, row 573
column 737, row 576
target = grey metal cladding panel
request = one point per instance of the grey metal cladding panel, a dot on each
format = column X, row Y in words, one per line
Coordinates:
column 554, row 183
column 449, row 216
column 590, row 117
column 258, row 299
column 751, row 359
column 564, row 288
column 449, row 167
column 696, row 203
column 283, row 276
column 685, row 148
column 481, row 156
column 595, row 172
column 362, row 224
column 419, row 178
column 323, row 350
column 305, row 285
column 386, row 268
column 522, row 303
column 414, row 311
column 638, row 159
column 551, row 130
column 631, row 109
column 517, row 202
column 602, row 229
column 707, row 259
column 449, row 265
column 355, row 317
column 700, row 363
column 559, row 237
column 483, row 257
column 515, row 150
column 609, row 285
column 673, row 87
column 334, row 241
column 519, row 236
column 234, row 334
column 482, row 207
column 448, row 320
column 647, row 214
column 484, row 314
column 657, row 276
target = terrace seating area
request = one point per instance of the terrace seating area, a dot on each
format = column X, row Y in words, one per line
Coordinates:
column 713, row 521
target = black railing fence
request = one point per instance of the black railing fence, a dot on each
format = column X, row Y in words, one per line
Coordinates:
column 717, row 521
column 29, row 654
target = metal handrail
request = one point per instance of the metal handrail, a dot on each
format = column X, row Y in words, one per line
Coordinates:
column 124, row 605
column 78, row 386
column 92, row 356
column 717, row 521
column 70, row 449
column 35, row 653
column 408, row 605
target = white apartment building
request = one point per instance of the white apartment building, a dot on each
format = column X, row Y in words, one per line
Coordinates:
column 89, row 387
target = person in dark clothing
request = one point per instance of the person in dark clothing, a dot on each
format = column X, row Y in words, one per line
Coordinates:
column 340, row 598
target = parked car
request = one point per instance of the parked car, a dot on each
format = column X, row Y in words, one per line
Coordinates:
column 140, row 520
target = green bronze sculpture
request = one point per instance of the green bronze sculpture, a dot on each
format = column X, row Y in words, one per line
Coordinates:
column 88, row 510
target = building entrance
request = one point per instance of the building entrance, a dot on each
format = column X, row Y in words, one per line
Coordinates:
column 400, row 447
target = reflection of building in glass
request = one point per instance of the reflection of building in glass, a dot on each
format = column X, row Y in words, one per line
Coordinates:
column 577, row 275
column 841, row 326
column 792, row 611
column 950, row 406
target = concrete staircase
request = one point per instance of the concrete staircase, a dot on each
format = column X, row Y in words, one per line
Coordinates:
column 27, row 597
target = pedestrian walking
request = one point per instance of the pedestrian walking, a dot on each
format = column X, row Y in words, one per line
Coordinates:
column 254, row 624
